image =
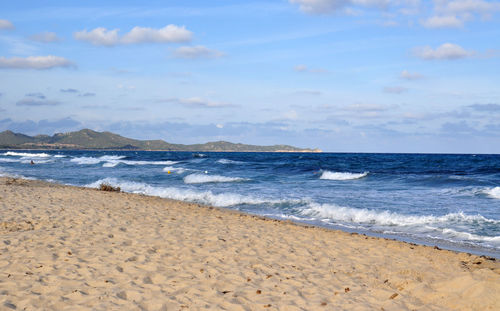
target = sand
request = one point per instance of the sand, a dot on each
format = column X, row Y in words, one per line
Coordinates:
column 69, row 248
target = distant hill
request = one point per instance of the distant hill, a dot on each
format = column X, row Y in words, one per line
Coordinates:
column 89, row 139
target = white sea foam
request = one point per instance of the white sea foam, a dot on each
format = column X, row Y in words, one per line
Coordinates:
column 9, row 160
column 85, row 160
column 113, row 160
column 28, row 161
column 493, row 192
column 178, row 170
column 25, row 154
column 385, row 218
column 470, row 236
column 59, row 156
column 110, row 164
column 92, row 160
column 204, row 197
column 205, row 178
column 227, row 161
column 341, row 175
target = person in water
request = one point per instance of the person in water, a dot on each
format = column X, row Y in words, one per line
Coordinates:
column 32, row 163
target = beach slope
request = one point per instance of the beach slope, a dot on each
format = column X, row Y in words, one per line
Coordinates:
column 69, row 248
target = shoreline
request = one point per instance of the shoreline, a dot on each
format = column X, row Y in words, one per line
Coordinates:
column 66, row 246
column 436, row 243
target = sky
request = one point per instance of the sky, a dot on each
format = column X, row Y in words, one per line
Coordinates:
column 339, row 75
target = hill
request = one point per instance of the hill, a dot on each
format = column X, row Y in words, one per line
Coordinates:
column 92, row 140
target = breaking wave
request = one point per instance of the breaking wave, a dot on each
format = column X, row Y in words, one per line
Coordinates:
column 386, row 218
column 205, row 178
column 341, row 176
column 25, row 154
column 227, row 161
column 112, row 161
column 203, row 197
column 493, row 192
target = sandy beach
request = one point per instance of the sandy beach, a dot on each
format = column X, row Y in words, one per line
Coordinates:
column 69, row 248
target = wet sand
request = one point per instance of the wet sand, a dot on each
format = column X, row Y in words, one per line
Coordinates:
column 69, row 248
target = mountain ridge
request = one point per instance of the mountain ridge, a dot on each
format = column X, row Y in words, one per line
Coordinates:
column 87, row 139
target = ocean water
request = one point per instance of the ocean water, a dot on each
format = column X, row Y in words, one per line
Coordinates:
column 452, row 201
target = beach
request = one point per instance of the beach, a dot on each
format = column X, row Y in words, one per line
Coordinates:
column 71, row 248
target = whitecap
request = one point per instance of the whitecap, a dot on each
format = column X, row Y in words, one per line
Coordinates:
column 342, row 175
column 204, row 197
column 386, row 218
column 85, row 160
column 25, row 154
column 493, row 192
column 7, row 160
column 205, row 178
column 178, row 170
column 110, row 164
column 227, row 161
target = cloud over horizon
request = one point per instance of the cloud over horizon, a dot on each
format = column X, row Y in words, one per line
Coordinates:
column 446, row 51
column 196, row 52
column 35, row 62
column 37, row 102
column 101, row 36
column 196, row 102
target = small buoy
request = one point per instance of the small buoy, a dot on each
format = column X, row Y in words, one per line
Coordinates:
column 168, row 172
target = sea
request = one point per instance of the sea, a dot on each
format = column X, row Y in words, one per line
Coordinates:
column 447, row 200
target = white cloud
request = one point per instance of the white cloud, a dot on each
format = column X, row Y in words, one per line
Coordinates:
column 304, row 68
column 291, row 115
column 98, row 36
column 196, row 102
column 467, row 6
column 167, row 34
column 330, row 6
column 405, row 74
column 320, row 6
column 443, row 22
column 45, row 37
column 35, row 62
column 5, row 24
column 300, row 68
column 433, row 14
column 367, row 108
column 35, row 102
column 194, row 52
column 105, row 37
column 448, row 51
column 395, row 89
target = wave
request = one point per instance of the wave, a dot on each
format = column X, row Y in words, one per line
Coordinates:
column 178, row 170
column 112, row 161
column 85, row 160
column 204, row 178
column 25, row 154
column 227, row 161
column 470, row 236
column 386, row 218
column 204, row 197
column 7, row 160
column 341, row 176
column 493, row 192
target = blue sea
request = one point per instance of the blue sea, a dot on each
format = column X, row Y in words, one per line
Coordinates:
column 452, row 201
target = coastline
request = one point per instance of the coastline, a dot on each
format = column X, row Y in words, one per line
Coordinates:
column 66, row 246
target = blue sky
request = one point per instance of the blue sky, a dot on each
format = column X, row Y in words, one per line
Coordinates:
column 340, row 75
